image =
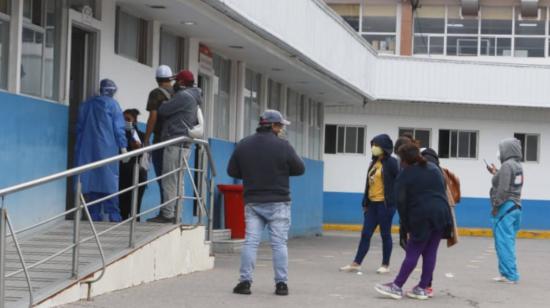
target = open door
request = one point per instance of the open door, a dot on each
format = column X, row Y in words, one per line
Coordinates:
column 83, row 83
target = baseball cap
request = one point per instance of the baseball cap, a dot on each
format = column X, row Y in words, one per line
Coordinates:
column 271, row 116
column 186, row 76
column 164, row 71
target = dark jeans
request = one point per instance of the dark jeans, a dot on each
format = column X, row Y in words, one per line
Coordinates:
column 126, row 179
column 377, row 214
column 428, row 251
column 157, row 164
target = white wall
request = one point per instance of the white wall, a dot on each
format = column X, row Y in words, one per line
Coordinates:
column 346, row 173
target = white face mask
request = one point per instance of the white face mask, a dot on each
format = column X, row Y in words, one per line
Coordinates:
column 282, row 133
column 129, row 126
column 498, row 155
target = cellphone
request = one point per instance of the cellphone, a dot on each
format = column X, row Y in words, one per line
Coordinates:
column 486, row 163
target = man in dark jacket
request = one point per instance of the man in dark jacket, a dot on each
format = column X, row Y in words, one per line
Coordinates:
column 265, row 162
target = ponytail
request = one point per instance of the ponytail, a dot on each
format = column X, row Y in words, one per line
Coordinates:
column 421, row 161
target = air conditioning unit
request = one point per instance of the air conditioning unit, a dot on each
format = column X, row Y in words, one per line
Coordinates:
column 469, row 8
column 530, row 9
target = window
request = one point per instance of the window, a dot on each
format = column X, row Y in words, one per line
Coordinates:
column 315, row 120
column 132, row 37
column 429, row 29
column 349, row 11
column 222, row 70
column 344, row 139
column 457, row 144
column 172, row 48
column 252, row 94
column 40, row 48
column 422, row 135
column 529, row 146
column 379, row 25
column 273, row 95
column 4, row 42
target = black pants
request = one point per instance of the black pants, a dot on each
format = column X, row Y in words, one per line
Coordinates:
column 126, row 178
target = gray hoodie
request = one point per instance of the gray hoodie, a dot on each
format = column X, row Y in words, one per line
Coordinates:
column 508, row 181
column 180, row 113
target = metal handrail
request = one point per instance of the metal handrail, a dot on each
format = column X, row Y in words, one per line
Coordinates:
column 81, row 204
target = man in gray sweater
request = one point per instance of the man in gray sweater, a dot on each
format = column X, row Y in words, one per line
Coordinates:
column 506, row 203
column 179, row 115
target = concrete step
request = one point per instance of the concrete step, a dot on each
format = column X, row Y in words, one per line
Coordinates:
column 221, row 235
column 227, row 246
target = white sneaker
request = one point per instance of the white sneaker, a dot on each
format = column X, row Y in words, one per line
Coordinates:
column 383, row 270
column 503, row 279
column 351, row 268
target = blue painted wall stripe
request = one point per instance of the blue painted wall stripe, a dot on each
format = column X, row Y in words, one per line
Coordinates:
column 345, row 208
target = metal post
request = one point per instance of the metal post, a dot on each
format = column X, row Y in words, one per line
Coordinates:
column 135, row 197
column 180, row 183
column 76, row 227
column 211, row 208
column 3, row 223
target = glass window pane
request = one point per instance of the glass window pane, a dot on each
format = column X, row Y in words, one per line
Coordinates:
column 504, row 46
column 51, row 51
column 341, row 136
column 463, row 144
column 437, row 45
column 4, row 47
column 31, row 62
column 361, row 140
column 128, row 35
column 532, row 148
column 421, row 44
column 530, row 26
column 169, row 51
column 379, row 18
column 473, row 145
column 461, row 25
column 462, row 46
column 222, row 69
column 349, row 12
column 430, row 19
column 444, row 143
column 423, row 136
column 521, row 138
column 496, row 20
column 4, row 6
column 274, row 95
column 330, row 139
column 529, row 47
column 351, row 139
column 382, row 43
column 454, row 143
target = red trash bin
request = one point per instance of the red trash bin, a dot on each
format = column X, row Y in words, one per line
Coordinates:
column 233, row 200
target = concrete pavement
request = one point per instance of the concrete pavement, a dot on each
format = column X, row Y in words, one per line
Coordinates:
column 462, row 279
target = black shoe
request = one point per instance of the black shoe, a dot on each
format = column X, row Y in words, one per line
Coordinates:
column 281, row 289
column 242, row 288
column 161, row 220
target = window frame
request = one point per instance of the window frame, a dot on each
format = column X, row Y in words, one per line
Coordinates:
column 524, row 148
column 180, row 41
column 337, row 143
column 414, row 129
column 143, row 39
column 6, row 18
column 395, row 34
column 458, row 131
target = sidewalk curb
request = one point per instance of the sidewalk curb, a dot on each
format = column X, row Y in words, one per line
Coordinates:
column 478, row 232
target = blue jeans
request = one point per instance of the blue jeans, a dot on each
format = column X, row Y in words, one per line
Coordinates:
column 505, row 228
column 157, row 158
column 377, row 214
column 276, row 216
column 108, row 207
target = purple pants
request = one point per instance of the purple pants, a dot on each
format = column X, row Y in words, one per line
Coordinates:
column 414, row 250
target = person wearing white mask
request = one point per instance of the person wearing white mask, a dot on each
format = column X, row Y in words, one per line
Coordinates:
column 378, row 203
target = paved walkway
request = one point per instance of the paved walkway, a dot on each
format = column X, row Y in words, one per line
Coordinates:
column 462, row 279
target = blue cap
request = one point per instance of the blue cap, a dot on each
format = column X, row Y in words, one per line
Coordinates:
column 271, row 116
column 107, row 87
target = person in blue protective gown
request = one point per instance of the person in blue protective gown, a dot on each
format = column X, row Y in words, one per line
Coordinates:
column 100, row 134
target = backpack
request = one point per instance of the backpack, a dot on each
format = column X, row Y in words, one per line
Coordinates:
column 453, row 183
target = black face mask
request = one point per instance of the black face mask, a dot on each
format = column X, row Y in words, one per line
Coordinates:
column 176, row 87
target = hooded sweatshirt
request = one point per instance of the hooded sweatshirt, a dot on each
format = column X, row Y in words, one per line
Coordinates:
column 390, row 169
column 508, row 181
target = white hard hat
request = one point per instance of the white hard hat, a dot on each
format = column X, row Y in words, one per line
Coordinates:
column 164, row 71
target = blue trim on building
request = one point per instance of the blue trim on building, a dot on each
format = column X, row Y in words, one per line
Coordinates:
column 33, row 143
column 345, row 208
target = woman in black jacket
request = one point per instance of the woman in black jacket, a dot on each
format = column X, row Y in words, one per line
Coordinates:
column 425, row 218
column 135, row 139
column 378, row 203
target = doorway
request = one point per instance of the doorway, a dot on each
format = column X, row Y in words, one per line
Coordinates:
column 83, row 82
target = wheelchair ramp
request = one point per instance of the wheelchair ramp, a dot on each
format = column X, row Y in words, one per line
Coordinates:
column 53, row 279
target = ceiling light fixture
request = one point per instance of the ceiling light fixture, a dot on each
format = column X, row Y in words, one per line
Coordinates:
column 188, row 23
column 527, row 25
column 236, row 46
column 157, row 7
column 455, row 25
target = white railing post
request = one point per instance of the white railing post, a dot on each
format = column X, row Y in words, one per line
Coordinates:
column 76, row 228
column 135, row 197
column 3, row 222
